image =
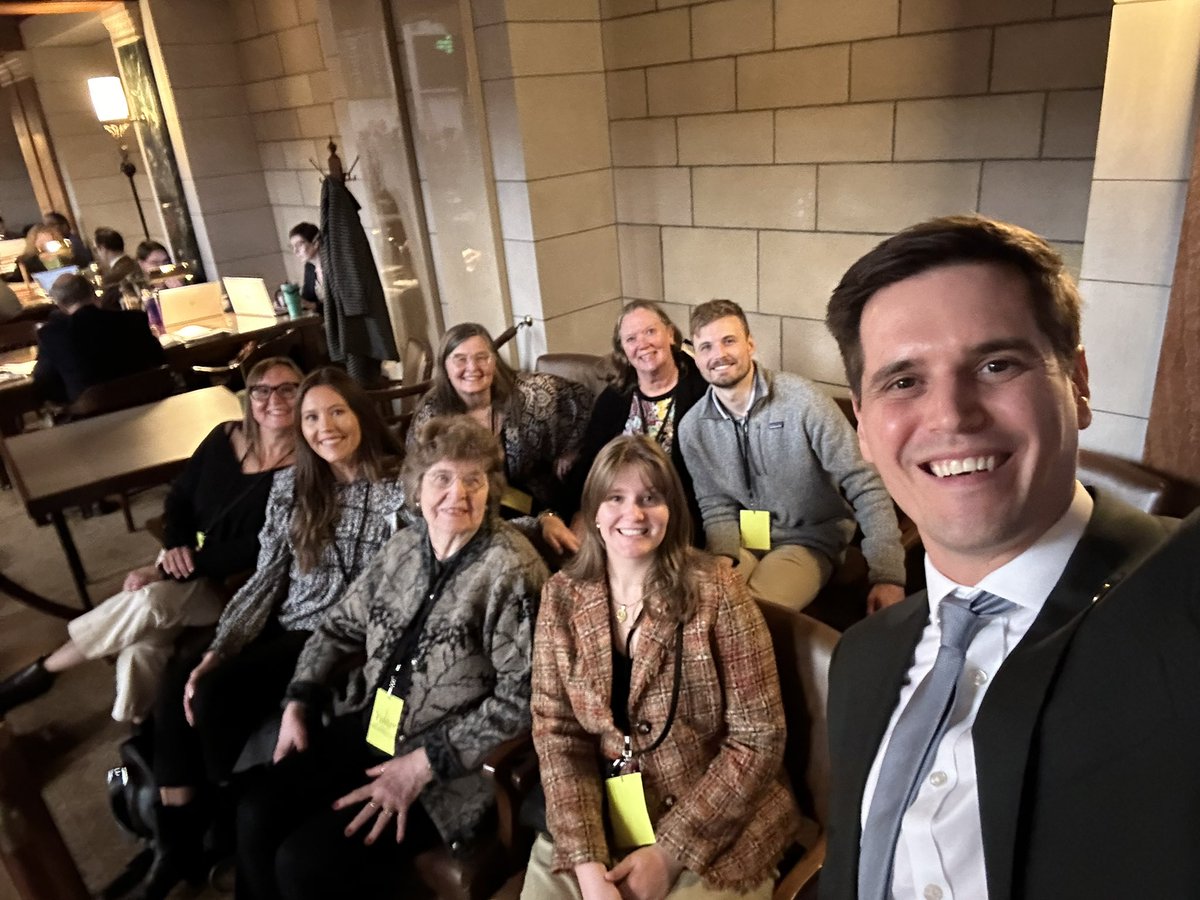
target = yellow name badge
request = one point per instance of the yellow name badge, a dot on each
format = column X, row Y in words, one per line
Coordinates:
column 518, row 500
column 199, row 540
column 385, row 721
column 756, row 529
column 627, row 811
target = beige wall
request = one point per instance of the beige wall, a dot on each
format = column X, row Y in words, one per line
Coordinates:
column 88, row 157
column 760, row 147
column 1143, row 160
column 245, row 90
column 18, row 205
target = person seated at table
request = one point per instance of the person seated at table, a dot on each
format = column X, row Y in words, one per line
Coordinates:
column 211, row 518
column 305, row 239
column 539, row 418
column 456, row 594
column 83, row 345
column 115, row 265
column 40, row 239
column 152, row 256
column 326, row 519
column 656, row 384
column 81, row 254
column 651, row 657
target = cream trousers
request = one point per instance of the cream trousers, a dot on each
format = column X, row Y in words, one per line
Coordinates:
column 139, row 628
column 543, row 884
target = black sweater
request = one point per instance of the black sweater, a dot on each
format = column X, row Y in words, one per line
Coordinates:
column 214, row 496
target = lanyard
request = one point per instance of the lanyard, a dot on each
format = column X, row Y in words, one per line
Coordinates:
column 741, row 431
column 661, row 436
column 627, row 754
column 347, row 570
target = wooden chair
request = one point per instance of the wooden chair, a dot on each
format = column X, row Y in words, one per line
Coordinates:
column 17, row 335
column 417, row 362
column 593, row 372
column 803, row 649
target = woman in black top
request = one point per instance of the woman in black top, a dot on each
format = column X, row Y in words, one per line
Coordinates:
column 212, row 515
column 656, row 384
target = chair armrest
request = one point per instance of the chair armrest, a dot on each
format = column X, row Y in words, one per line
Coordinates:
column 801, row 878
column 508, row 767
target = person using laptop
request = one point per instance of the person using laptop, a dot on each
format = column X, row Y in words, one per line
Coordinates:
column 82, row 345
column 152, row 256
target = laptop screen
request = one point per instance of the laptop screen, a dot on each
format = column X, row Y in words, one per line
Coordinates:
column 46, row 279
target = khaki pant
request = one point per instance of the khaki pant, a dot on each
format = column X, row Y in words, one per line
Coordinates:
column 789, row 576
column 543, row 884
column 139, row 628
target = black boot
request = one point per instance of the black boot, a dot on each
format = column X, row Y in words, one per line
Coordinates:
column 24, row 685
column 178, row 850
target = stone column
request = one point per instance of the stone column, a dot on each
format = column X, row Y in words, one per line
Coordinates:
column 124, row 25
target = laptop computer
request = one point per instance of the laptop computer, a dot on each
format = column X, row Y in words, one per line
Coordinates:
column 46, row 279
column 184, row 307
column 249, row 297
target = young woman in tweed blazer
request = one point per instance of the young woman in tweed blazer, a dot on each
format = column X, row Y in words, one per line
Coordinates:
column 604, row 673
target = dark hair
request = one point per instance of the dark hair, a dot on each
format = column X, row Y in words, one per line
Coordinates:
column 72, row 290
column 949, row 241
column 378, row 455
column 249, row 425
column 707, row 313
column 457, row 438
column 110, row 239
column 442, row 393
column 145, row 248
column 58, row 220
column 626, row 376
column 672, row 585
column 306, row 230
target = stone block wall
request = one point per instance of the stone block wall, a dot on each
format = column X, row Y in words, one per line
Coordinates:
column 760, row 146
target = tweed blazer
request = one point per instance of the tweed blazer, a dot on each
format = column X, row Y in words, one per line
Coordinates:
column 714, row 787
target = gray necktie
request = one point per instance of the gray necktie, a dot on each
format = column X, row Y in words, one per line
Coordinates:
column 915, row 739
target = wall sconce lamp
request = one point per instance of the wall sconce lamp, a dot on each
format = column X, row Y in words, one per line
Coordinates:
column 112, row 109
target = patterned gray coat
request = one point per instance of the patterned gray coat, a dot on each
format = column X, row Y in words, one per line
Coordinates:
column 470, row 683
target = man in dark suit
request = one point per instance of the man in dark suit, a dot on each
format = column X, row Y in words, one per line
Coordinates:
column 81, row 344
column 115, row 266
column 1062, row 762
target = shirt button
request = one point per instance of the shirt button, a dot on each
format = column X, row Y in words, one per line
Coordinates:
column 643, row 727
column 932, row 892
column 937, row 779
column 979, row 678
column 669, row 801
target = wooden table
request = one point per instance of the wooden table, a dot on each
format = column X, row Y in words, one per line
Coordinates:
column 18, row 396
column 83, row 462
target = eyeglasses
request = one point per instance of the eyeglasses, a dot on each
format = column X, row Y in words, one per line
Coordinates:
column 263, row 392
column 472, row 481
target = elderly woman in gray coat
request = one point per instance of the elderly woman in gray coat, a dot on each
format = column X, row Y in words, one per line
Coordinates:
column 445, row 616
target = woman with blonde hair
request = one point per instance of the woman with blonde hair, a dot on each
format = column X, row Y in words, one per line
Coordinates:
column 654, row 683
column 211, row 520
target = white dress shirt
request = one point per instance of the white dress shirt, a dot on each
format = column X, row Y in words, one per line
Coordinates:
column 939, row 854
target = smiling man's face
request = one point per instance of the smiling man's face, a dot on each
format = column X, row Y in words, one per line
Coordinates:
column 724, row 352
column 968, row 414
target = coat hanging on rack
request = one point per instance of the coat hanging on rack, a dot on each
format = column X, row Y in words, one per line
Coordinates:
column 357, row 325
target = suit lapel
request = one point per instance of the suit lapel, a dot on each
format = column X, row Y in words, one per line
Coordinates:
column 1115, row 537
column 869, row 710
column 655, row 648
column 593, row 639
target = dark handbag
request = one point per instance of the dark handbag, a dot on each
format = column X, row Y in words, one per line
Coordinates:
column 132, row 792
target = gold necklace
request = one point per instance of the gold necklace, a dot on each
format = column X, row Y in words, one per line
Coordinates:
column 623, row 609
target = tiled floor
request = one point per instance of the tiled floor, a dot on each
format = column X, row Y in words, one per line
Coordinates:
column 67, row 736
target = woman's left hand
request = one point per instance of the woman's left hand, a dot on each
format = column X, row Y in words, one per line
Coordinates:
column 647, row 873
column 395, row 785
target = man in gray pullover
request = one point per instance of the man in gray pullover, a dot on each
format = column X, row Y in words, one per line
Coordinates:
column 778, row 474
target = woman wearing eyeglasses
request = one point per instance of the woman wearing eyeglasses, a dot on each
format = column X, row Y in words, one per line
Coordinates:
column 212, row 517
